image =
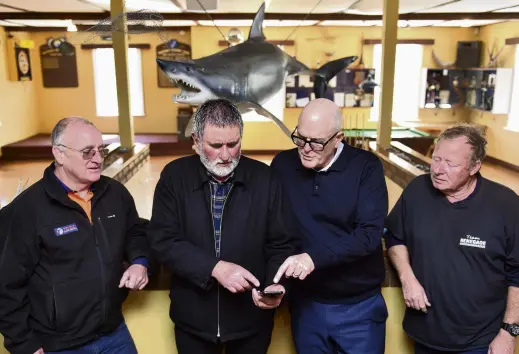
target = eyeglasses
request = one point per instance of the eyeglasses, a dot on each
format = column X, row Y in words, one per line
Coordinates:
column 315, row 145
column 88, row 154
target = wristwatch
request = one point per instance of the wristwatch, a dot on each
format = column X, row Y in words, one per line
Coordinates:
column 511, row 328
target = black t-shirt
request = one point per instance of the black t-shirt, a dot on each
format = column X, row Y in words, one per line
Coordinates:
column 464, row 254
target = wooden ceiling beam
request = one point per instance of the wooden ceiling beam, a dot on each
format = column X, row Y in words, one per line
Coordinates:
column 97, row 16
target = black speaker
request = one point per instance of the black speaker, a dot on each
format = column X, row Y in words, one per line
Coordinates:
column 468, row 54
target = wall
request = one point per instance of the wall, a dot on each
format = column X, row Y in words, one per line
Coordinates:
column 18, row 113
column 502, row 143
column 56, row 103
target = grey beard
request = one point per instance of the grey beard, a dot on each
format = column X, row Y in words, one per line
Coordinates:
column 214, row 169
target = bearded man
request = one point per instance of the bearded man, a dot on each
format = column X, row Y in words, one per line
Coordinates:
column 221, row 225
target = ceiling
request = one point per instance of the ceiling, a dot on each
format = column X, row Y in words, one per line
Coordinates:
column 414, row 13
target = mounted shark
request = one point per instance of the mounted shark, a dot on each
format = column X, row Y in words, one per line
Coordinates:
column 249, row 74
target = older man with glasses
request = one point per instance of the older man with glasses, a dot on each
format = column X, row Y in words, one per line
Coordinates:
column 339, row 196
column 63, row 248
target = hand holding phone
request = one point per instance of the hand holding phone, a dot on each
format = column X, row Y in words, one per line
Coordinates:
column 268, row 298
column 270, row 293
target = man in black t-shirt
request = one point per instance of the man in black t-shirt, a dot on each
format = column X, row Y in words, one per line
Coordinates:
column 453, row 237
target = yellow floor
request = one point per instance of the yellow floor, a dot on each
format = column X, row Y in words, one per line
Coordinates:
column 146, row 312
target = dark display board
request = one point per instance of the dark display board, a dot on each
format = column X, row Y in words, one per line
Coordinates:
column 171, row 50
column 23, row 64
column 58, row 69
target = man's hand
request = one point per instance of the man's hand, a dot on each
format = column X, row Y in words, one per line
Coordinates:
column 414, row 293
column 298, row 266
column 268, row 302
column 135, row 277
column 503, row 343
column 234, row 277
column 39, row 351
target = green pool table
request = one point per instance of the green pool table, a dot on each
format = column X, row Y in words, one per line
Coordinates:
column 415, row 139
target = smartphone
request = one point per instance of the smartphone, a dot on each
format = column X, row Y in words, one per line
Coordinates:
column 270, row 293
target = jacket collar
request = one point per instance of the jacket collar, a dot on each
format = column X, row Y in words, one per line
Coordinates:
column 340, row 163
column 57, row 190
column 203, row 176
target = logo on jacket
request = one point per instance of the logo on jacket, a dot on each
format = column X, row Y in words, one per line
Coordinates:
column 63, row 230
column 472, row 241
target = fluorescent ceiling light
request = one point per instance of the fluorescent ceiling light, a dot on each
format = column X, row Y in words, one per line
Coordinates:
column 294, row 23
column 226, row 23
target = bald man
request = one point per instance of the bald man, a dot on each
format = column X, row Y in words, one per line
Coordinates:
column 339, row 197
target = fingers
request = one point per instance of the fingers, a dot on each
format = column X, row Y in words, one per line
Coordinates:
column 124, row 279
column 282, row 269
column 426, row 300
column 248, row 276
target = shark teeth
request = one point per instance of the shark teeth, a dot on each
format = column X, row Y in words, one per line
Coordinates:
column 186, row 84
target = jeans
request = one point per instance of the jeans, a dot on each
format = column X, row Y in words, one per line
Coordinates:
column 358, row 328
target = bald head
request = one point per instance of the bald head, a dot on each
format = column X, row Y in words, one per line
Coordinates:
column 321, row 116
column 320, row 121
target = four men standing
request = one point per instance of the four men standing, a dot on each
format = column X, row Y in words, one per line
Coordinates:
column 237, row 235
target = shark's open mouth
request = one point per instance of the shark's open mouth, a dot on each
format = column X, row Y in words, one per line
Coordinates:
column 188, row 89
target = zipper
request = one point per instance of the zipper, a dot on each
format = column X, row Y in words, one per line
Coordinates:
column 219, row 253
column 103, row 301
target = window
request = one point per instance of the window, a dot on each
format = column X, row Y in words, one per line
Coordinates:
column 513, row 115
column 276, row 106
column 406, row 93
column 105, row 84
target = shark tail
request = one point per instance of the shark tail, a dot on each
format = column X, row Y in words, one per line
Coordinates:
column 327, row 72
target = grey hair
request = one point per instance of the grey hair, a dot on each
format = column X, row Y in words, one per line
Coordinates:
column 218, row 112
column 59, row 129
column 475, row 138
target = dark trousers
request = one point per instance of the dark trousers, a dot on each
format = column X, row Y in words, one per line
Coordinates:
column 422, row 349
column 339, row 328
column 188, row 343
column 118, row 342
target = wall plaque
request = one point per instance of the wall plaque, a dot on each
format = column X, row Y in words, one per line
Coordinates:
column 58, row 69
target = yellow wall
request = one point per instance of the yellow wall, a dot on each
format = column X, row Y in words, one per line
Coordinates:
column 18, row 110
column 56, row 103
column 502, row 144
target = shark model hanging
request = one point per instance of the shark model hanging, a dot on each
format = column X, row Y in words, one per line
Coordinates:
column 248, row 74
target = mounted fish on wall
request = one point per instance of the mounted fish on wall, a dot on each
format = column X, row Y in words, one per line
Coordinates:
column 248, row 73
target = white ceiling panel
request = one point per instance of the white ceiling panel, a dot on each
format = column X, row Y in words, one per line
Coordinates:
column 9, row 24
column 136, row 5
column 350, row 23
column 473, row 6
column 511, row 9
column 42, row 23
column 467, row 23
column 283, row 23
column 53, row 5
column 305, row 6
column 7, row 9
column 375, row 7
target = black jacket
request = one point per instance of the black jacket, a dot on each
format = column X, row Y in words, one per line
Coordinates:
column 60, row 273
column 257, row 234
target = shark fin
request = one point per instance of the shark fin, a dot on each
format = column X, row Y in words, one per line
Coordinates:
column 328, row 71
column 256, row 30
column 245, row 107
